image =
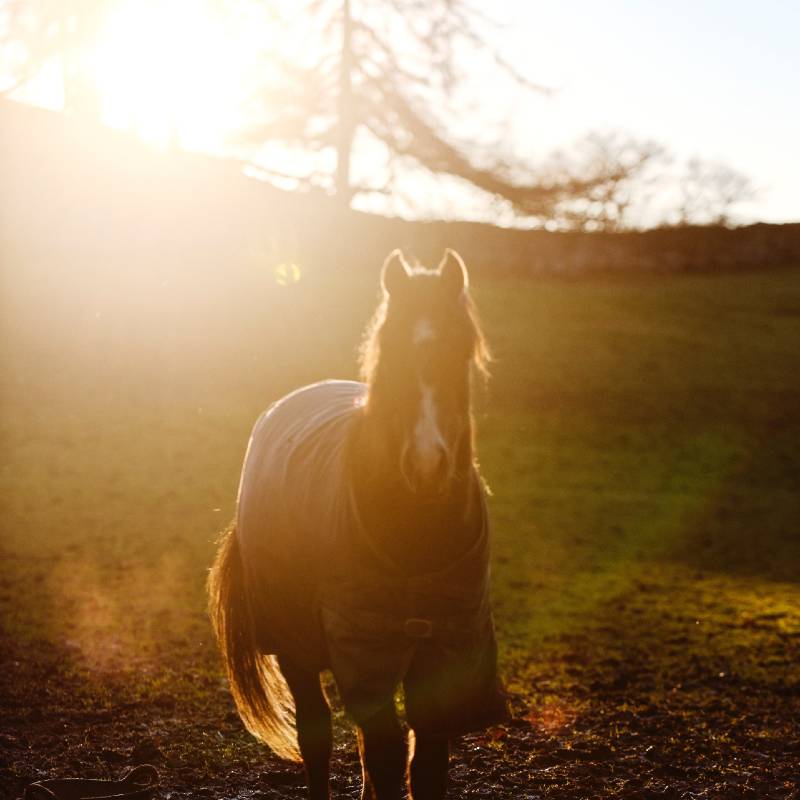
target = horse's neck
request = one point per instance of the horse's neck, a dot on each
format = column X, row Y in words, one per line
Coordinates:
column 420, row 536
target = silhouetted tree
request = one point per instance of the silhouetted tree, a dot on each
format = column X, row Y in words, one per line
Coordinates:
column 387, row 78
column 619, row 171
column 710, row 190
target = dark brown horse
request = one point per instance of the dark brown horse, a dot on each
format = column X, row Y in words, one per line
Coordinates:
column 361, row 546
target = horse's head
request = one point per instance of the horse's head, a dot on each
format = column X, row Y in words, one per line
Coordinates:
column 416, row 360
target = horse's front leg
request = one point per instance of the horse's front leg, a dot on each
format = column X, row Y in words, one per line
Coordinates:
column 382, row 744
column 313, row 718
column 428, row 770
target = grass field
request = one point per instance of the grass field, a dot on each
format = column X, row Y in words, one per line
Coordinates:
column 641, row 437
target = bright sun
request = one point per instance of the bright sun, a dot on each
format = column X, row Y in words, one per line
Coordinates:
column 171, row 72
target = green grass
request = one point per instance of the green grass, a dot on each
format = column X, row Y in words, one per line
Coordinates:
column 641, row 437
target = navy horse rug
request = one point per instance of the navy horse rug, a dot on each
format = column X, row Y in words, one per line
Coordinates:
column 324, row 592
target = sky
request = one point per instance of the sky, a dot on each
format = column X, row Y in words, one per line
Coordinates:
column 708, row 79
column 718, row 80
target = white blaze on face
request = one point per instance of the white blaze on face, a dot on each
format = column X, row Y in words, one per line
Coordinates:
column 423, row 331
column 428, row 440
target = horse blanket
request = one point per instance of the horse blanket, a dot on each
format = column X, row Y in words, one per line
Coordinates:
column 325, row 595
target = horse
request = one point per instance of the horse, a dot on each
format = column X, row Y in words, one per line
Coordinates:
column 360, row 546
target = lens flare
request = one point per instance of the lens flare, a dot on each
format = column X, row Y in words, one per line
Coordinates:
column 286, row 274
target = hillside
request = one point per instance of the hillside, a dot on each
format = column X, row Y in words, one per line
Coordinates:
column 78, row 188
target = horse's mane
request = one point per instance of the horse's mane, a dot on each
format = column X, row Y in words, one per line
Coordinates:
column 369, row 350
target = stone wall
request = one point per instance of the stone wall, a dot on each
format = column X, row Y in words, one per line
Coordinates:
column 515, row 252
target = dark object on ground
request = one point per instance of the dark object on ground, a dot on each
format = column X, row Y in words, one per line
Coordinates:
column 139, row 784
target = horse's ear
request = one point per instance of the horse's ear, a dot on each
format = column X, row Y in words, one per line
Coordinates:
column 395, row 273
column 453, row 273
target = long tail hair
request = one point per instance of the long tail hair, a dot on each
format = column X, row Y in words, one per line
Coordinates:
column 262, row 697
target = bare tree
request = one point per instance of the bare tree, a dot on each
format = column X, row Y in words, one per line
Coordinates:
column 388, row 79
column 619, row 173
column 710, row 192
column 356, row 93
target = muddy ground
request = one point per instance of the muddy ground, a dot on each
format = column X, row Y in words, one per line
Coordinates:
column 596, row 714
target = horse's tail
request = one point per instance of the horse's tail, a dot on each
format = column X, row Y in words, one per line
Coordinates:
column 262, row 696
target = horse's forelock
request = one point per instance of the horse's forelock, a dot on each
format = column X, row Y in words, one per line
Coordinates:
column 369, row 351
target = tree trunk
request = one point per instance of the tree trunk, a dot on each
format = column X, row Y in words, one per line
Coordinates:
column 346, row 126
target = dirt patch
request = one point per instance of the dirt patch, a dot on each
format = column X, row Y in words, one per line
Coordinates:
column 587, row 723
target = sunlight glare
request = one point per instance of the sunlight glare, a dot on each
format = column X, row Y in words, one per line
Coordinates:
column 169, row 72
column 552, row 716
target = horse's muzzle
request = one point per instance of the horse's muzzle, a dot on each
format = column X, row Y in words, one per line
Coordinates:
column 427, row 473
